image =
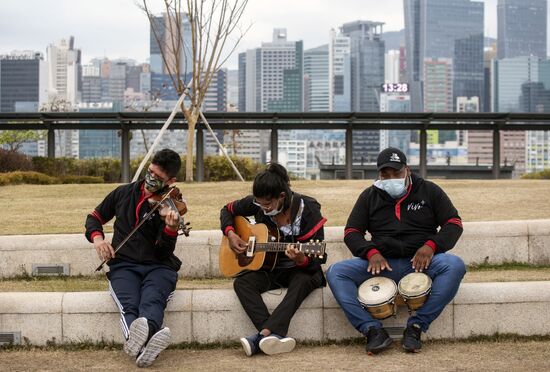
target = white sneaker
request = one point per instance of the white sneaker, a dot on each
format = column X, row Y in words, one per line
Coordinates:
column 138, row 333
column 275, row 344
column 156, row 344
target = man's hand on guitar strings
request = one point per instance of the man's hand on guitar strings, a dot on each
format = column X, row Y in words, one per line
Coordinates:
column 236, row 243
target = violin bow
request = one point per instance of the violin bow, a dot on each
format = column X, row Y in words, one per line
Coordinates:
column 164, row 197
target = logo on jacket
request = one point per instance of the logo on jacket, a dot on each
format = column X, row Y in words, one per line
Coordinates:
column 395, row 157
column 416, row 206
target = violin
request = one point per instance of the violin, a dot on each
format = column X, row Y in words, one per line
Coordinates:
column 172, row 200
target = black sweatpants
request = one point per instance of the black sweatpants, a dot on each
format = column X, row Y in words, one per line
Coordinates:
column 141, row 291
column 251, row 285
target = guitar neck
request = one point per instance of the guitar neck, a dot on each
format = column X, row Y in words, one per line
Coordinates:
column 273, row 247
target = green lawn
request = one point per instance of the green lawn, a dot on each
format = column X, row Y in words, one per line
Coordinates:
column 49, row 209
column 495, row 273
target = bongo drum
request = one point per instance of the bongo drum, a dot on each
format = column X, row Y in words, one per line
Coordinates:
column 377, row 295
column 414, row 288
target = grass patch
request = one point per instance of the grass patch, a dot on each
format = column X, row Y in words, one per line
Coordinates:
column 52, row 209
column 79, row 283
column 507, row 267
column 26, row 283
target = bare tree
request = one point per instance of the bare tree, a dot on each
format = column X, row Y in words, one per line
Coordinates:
column 215, row 32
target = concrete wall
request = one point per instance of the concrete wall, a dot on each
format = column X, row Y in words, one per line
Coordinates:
column 482, row 242
column 216, row 315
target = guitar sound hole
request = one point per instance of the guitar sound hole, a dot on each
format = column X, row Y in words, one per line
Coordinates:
column 243, row 259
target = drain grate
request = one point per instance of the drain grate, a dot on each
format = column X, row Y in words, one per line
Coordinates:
column 50, row 269
column 13, row 338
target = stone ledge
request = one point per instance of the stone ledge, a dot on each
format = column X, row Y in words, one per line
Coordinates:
column 216, row 315
column 493, row 242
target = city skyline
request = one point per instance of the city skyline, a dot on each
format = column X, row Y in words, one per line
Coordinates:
column 100, row 31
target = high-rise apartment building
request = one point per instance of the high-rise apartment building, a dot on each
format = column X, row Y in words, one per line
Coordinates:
column 438, row 85
column 64, row 71
column 282, row 70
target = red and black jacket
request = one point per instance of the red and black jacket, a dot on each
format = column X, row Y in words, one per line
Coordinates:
column 311, row 224
column 400, row 227
column 152, row 243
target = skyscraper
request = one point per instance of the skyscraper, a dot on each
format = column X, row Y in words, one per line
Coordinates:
column 521, row 28
column 271, row 77
column 23, row 78
column 91, row 84
column 445, row 29
column 367, row 76
column 316, row 79
column 160, row 41
column 438, row 85
column 339, row 72
column 508, row 76
column 65, row 70
column 395, row 102
column 281, row 87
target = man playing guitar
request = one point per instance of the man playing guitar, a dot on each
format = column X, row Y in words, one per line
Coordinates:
column 294, row 218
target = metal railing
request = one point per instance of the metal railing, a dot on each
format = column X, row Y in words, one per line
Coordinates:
column 275, row 121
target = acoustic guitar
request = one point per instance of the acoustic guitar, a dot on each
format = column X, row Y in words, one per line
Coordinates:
column 262, row 249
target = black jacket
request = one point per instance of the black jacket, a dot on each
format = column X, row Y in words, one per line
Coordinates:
column 152, row 243
column 311, row 224
column 400, row 227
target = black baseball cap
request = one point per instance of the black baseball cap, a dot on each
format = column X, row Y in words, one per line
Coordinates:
column 391, row 157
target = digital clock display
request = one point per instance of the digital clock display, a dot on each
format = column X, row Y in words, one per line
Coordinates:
column 395, row 88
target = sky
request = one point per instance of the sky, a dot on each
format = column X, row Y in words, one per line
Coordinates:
column 119, row 29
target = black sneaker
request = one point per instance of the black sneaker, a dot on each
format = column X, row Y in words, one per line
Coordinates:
column 377, row 340
column 411, row 338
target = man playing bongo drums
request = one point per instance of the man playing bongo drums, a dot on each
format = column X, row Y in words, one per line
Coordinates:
column 402, row 212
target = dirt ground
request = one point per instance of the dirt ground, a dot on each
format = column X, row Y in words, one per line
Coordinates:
column 436, row 356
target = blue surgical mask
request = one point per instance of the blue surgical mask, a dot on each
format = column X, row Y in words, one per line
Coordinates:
column 395, row 187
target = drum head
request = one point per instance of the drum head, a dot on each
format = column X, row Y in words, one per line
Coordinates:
column 376, row 291
column 415, row 284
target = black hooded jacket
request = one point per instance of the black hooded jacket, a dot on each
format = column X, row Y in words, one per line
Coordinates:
column 152, row 243
column 399, row 227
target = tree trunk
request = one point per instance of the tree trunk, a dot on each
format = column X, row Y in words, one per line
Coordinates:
column 191, row 122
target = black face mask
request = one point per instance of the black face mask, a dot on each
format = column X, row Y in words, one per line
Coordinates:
column 153, row 184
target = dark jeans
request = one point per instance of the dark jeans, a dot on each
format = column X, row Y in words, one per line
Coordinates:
column 251, row 285
column 141, row 291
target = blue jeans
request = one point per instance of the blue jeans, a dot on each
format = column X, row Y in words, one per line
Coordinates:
column 345, row 277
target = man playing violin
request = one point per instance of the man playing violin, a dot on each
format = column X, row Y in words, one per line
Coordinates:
column 402, row 212
column 297, row 218
column 143, row 273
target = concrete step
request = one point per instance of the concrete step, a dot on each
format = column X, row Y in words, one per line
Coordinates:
column 493, row 242
column 215, row 315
